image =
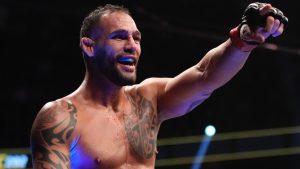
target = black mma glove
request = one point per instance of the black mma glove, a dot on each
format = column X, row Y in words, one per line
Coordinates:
column 245, row 35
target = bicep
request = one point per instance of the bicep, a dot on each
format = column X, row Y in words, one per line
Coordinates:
column 44, row 156
column 50, row 136
column 183, row 93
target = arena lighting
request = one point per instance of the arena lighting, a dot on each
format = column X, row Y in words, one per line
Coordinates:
column 209, row 131
column 13, row 160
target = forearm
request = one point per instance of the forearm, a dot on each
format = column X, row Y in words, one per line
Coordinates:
column 197, row 83
column 220, row 64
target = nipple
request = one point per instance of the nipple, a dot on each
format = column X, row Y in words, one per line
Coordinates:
column 98, row 160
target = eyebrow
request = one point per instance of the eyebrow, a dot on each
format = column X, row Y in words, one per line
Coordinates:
column 123, row 31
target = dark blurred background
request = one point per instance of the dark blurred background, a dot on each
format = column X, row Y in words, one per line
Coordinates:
column 41, row 61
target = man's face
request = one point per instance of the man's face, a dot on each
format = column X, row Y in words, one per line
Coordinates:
column 117, row 49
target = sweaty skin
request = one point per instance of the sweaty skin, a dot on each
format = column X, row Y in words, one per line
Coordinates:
column 108, row 123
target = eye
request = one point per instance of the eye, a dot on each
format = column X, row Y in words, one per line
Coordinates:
column 119, row 37
column 137, row 39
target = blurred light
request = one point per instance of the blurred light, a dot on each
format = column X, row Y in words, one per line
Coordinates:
column 13, row 161
column 201, row 152
column 210, row 130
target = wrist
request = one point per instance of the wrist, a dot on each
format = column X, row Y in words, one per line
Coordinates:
column 244, row 46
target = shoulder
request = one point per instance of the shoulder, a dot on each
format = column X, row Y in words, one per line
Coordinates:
column 58, row 106
column 155, row 81
column 150, row 86
column 60, row 113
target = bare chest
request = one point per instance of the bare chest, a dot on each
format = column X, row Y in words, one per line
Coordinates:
column 101, row 142
column 112, row 140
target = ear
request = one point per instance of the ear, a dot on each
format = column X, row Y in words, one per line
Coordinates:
column 87, row 45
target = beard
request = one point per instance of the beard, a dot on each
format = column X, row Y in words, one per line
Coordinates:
column 108, row 66
column 118, row 77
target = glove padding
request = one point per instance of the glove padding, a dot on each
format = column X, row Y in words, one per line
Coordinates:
column 253, row 18
column 251, row 31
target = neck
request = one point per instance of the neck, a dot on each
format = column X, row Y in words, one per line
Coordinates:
column 100, row 91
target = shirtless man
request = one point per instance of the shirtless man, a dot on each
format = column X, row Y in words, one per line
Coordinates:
column 110, row 122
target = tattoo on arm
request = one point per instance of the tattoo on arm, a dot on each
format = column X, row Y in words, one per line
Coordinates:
column 141, row 126
column 50, row 133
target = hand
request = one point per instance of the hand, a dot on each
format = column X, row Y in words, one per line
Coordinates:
column 260, row 20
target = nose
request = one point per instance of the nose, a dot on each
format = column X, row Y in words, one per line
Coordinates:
column 131, row 45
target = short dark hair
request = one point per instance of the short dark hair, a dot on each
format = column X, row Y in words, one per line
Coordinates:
column 94, row 16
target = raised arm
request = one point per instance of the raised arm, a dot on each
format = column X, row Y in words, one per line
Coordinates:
column 50, row 135
column 181, row 94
